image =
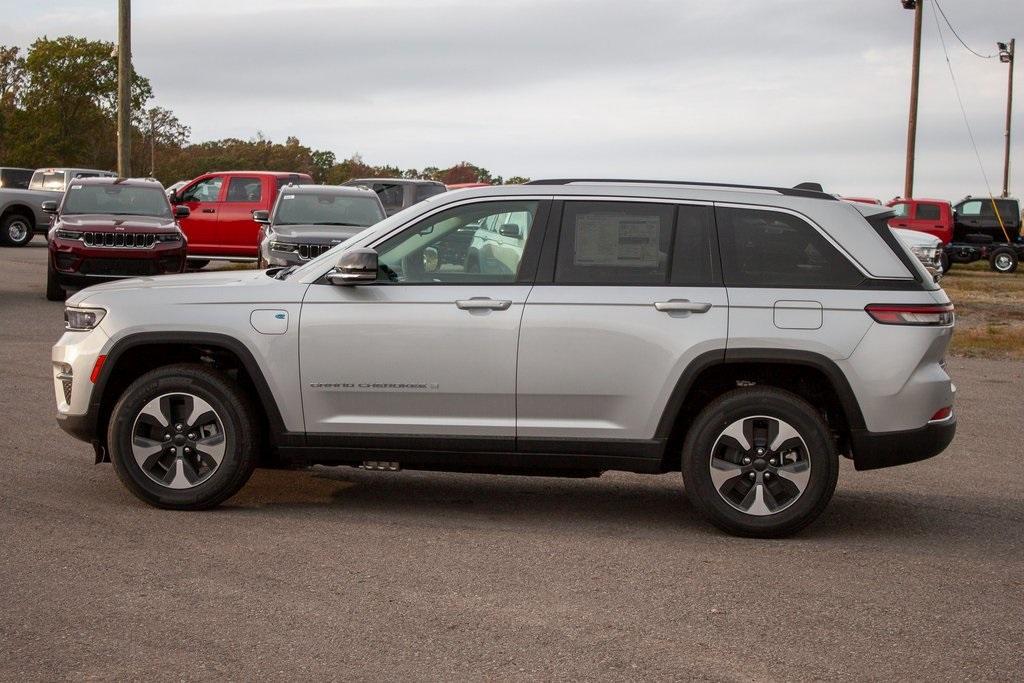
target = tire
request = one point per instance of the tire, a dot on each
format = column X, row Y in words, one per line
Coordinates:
column 54, row 290
column 16, row 230
column 196, row 264
column 729, row 497
column 183, row 472
column 1003, row 260
column 945, row 263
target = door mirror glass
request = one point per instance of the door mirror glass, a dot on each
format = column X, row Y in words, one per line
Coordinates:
column 261, row 216
column 181, row 211
column 49, row 206
column 510, row 230
column 354, row 266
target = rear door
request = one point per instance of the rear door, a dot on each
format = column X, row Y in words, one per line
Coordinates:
column 627, row 296
column 239, row 233
column 202, row 197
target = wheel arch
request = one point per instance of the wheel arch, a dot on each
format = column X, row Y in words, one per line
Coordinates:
column 136, row 354
column 808, row 374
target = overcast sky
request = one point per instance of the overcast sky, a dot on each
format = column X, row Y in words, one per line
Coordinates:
column 766, row 91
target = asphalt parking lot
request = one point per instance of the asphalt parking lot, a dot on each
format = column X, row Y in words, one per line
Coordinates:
column 913, row 572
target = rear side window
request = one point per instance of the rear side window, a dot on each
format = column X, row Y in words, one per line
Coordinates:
column 245, row 190
column 615, row 243
column 429, row 190
column 928, row 212
column 774, row 249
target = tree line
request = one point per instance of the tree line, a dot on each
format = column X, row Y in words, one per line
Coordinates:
column 58, row 107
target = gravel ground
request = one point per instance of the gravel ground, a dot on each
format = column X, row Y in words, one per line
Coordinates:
column 915, row 572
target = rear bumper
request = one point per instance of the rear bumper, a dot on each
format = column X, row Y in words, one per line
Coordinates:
column 873, row 450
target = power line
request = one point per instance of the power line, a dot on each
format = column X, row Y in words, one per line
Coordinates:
column 953, row 30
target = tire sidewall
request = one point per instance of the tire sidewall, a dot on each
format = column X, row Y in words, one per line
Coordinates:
column 221, row 484
column 740, row 404
column 5, row 237
column 999, row 252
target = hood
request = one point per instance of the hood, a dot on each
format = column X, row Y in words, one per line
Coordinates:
column 108, row 223
column 916, row 238
column 329, row 234
column 193, row 281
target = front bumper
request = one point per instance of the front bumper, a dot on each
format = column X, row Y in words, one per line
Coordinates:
column 77, row 265
column 874, row 450
column 75, row 354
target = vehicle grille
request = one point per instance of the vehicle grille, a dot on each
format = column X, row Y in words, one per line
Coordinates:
column 118, row 266
column 118, row 240
column 308, row 251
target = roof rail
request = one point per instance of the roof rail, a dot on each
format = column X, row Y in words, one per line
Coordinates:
column 790, row 191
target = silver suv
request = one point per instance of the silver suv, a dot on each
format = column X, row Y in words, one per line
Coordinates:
column 745, row 336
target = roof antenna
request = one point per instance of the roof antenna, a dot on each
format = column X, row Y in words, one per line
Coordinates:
column 816, row 187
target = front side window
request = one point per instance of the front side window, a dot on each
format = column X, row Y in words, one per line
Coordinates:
column 116, row 200
column 390, row 194
column 245, row 190
column 614, row 243
column 762, row 248
column 302, row 208
column 928, row 212
column 461, row 246
column 972, row 208
column 901, row 210
column 204, row 191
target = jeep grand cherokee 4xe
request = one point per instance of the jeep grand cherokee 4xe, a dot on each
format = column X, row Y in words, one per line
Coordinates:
column 747, row 337
column 109, row 228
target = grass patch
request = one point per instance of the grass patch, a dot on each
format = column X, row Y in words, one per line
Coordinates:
column 989, row 311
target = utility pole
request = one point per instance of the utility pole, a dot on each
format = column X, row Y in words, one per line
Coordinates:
column 915, row 72
column 1006, row 56
column 124, row 88
column 152, row 143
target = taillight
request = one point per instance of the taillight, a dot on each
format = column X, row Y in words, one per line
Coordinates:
column 911, row 314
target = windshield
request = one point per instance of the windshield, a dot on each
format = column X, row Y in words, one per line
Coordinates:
column 47, row 180
column 116, row 200
column 327, row 209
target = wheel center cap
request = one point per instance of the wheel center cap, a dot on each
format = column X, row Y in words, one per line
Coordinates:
column 179, row 439
column 760, row 464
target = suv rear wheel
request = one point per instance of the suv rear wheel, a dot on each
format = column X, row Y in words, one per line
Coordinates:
column 183, row 437
column 759, row 462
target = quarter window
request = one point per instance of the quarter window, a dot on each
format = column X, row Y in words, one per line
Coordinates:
column 615, row 243
column 470, row 244
column 245, row 190
column 775, row 249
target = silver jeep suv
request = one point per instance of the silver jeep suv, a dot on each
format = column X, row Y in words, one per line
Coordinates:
column 745, row 336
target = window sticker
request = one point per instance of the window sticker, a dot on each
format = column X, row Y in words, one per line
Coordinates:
column 611, row 239
column 76, row 187
column 289, row 196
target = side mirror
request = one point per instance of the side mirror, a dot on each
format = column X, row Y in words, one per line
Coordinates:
column 510, row 230
column 261, row 216
column 173, row 197
column 49, row 206
column 181, row 212
column 354, row 266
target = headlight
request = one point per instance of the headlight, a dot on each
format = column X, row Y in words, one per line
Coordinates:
column 284, row 246
column 82, row 319
column 927, row 255
column 168, row 237
column 69, row 235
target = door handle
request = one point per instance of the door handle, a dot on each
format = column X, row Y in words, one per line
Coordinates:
column 674, row 305
column 483, row 302
column 209, row 211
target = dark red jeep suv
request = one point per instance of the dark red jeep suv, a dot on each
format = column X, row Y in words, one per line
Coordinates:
column 109, row 228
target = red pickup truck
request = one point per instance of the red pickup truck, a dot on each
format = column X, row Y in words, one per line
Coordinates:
column 933, row 216
column 220, row 224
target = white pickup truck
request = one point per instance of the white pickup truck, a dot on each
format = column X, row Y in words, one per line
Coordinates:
column 21, row 213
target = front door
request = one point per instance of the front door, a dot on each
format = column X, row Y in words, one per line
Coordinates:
column 202, row 198
column 430, row 348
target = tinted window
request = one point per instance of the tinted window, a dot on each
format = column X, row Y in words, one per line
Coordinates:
column 461, row 245
column 328, row 208
column 424, row 191
column 928, row 212
column 391, row 195
column 15, row 178
column 775, row 249
column 245, row 190
column 204, row 191
column 615, row 243
column 117, row 200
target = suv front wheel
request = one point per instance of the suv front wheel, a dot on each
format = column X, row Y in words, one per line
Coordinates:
column 183, row 437
column 759, row 462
